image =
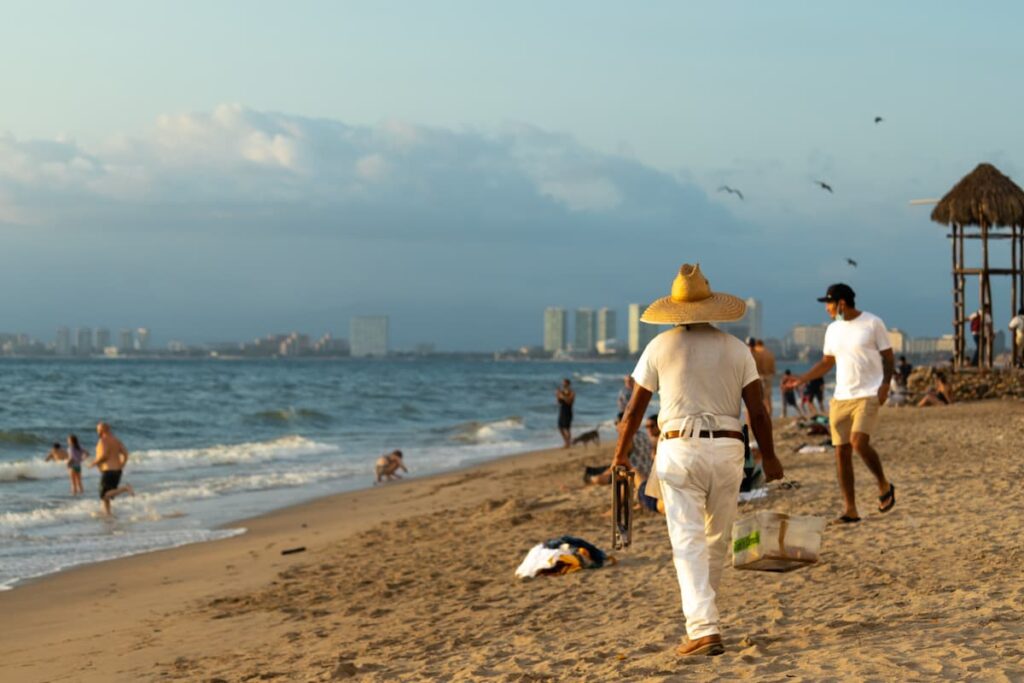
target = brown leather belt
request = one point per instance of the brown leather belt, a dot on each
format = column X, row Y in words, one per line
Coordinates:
column 705, row 435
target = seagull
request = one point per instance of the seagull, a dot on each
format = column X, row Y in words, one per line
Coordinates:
column 824, row 185
column 730, row 190
column 851, row 262
column 879, row 119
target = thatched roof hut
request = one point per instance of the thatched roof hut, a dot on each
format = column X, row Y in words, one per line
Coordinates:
column 982, row 197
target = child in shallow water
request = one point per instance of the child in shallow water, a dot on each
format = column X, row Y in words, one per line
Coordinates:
column 75, row 456
column 388, row 466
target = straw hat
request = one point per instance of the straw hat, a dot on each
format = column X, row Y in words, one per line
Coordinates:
column 692, row 301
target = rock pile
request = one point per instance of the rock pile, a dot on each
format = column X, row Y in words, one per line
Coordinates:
column 968, row 385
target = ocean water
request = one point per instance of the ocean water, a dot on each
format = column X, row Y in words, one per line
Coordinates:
column 216, row 441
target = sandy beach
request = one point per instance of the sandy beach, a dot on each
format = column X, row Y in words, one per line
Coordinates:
column 414, row 581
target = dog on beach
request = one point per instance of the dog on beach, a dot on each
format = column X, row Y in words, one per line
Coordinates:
column 586, row 438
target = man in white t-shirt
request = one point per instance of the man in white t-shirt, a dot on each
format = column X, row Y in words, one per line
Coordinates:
column 857, row 345
column 702, row 375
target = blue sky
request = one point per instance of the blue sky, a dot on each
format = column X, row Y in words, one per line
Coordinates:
column 220, row 170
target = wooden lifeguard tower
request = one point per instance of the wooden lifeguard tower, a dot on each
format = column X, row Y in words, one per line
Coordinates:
column 985, row 205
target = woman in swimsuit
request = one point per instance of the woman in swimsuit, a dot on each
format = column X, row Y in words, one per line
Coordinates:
column 75, row 457
column 939, row 395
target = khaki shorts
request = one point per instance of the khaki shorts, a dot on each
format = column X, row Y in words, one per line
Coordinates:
column 852, row 415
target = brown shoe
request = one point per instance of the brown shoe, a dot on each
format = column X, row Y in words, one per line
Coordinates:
column 708, row 645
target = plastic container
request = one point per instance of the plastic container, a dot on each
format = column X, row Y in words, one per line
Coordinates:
column 776, row 542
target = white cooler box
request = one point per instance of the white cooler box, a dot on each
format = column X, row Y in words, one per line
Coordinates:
column 776, row 542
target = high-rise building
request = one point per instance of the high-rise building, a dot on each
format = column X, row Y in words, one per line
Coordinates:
column 63, row 343
column 555, row 332
column 102, row 338
column 368, row 336
column 126, row 341
column 585, row 340
column 142, row 338
column 605, row 325
column 808, row 336
column 639, row 334
column 83, row 341
column 750, row 325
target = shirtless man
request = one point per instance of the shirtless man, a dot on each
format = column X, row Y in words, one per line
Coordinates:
column 765, row 361
column 57, row 454
column 111, row 457
column 388, row 466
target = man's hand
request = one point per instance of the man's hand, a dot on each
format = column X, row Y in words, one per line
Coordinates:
column 791, row 383
column 772, row 467
column 883, row 394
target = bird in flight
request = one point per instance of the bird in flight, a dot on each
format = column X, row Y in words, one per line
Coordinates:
column 731, row 190
column 851, row 262
column 879, row 119
column 823, row 185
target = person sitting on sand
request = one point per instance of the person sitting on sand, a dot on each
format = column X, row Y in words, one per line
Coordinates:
column 625, row 393
column 640, row 458
column 940, row 394
column 702, row 375
column 111, row 457
column 388, row 466
column 648, row 502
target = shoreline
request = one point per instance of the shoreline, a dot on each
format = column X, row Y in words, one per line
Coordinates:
column 413, row 581
column 32, row 609
column 242, row 525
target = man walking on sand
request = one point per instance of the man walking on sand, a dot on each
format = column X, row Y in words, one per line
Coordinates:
column 111, row 457
column 702, row 375
column 857, row 345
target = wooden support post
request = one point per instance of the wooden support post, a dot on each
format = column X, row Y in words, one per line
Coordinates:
column 1013, row 292
column 961, row 284
column 985, row 359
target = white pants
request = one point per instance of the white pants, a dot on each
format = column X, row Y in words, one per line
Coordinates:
column 700, row 483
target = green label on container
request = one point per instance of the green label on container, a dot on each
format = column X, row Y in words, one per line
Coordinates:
column 751, row 539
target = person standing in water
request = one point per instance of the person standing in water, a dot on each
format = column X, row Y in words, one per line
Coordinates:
column 111, row 457
column 75, row 457
column 565, row 396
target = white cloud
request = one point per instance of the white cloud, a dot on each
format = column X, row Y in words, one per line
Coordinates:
column 583, row 194
column 234, row 156
column 372, row 167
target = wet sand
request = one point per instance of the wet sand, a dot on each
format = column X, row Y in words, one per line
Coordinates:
column 414, row 581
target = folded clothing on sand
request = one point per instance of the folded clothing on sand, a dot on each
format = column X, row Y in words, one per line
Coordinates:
column 560, row 556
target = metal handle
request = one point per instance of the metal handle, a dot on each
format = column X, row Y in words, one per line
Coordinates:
column 622, row 507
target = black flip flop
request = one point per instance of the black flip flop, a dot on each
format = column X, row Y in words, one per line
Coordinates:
column 891, row 497
column 846, row 519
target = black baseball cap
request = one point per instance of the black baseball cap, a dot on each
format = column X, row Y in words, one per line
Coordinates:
column 838, row 292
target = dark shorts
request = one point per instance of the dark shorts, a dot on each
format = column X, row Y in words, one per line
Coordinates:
column 75, row 467
column 648, row 502
column 109, row 481
column 565, row 418
column 789, row 397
